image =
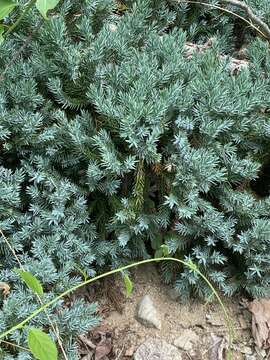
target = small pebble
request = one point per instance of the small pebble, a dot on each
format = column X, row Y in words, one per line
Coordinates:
column 147, row 313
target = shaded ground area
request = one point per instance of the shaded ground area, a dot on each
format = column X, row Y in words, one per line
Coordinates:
column 120, row 334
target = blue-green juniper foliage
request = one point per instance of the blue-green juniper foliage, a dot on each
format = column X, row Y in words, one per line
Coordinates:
column 115, row 141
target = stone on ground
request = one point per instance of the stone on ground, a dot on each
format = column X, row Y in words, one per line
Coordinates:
column 157, row 349
column 187, row 340
column 147, row 313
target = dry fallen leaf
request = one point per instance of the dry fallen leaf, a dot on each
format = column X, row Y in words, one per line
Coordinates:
column 130, row 351
column 88, row 356
column 86, row 341
column 218, row 350
column 103, row 349
column 5, row 288
column 260, row 309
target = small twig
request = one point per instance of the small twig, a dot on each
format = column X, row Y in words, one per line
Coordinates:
column 20, row 50
column 86, row 341
column 212, row 346
column 222, row 328
column 11, row 249
column 252, row 17
column 15, row 345
column 54, row 327
column 260, row 355
column 265, row 35
column 120, row 353
column 186, row 353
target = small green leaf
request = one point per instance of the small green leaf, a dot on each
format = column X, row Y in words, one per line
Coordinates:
column 31, row 281
column 6, row 6
column 44, row 6
column 41, row 345
column 128, row 285
column 165, row 250
column 2, row 30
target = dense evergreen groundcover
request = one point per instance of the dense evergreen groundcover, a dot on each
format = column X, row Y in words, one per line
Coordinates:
column 114, row 142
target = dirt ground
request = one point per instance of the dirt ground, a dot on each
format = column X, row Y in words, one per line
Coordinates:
column 124, row 333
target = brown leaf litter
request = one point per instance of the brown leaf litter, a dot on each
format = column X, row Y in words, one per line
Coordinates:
column 218, row 349
column 99, row 347
column 5, row 288
column 260, row 309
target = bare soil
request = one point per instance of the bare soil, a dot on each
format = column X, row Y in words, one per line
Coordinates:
column 125, row 333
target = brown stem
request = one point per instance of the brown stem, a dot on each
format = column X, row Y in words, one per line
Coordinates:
column 252, row 17
column 254, row 21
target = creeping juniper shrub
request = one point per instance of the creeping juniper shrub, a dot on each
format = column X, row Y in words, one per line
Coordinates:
column 114, row 141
